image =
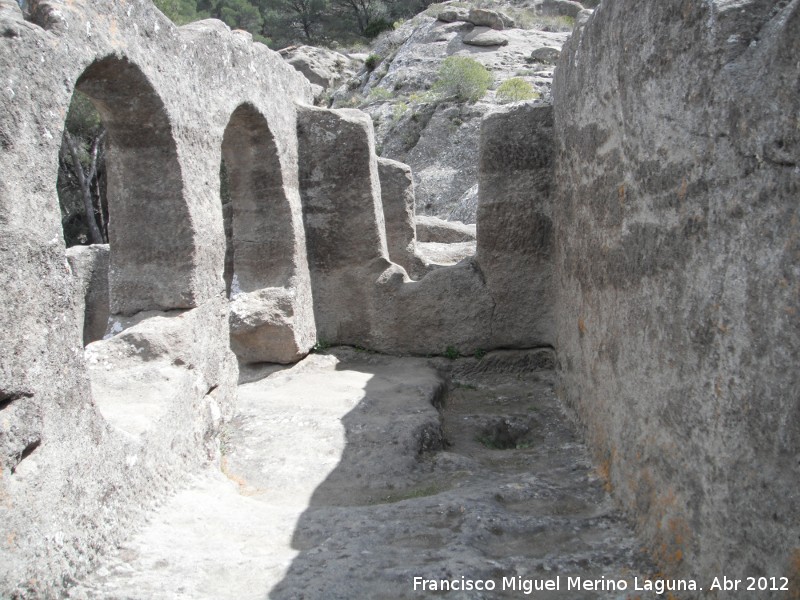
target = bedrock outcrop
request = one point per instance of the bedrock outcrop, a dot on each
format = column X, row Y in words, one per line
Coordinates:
column 440, row 140
column 645, row 228
column 325, row 69
column 89, row 266
column 434, row 229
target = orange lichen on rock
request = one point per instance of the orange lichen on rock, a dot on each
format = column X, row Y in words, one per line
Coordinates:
column 794, row 575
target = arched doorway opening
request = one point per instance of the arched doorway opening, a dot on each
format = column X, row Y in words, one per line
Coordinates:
column 151, row 256
column 149, row 226
column 258, row 227
column 82, row 197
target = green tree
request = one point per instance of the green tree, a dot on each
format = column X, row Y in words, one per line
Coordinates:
column 240, row 14
column 290, row 21
column 81, row 175
column 285, row 19
column 362, row 11
column 180, row 12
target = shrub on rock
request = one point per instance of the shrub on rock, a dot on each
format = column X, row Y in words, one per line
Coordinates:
column 516, row 89
column 462, row 78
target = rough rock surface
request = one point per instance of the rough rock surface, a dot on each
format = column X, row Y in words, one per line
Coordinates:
column 434, row 229
column 481, row 17
column 375, row 498
column 441, row 143
column 73, row 484
column 485, row 36
column 265, row 328
column 451, row 15
column 446, row 253
column 266, row 268
column 546, row 54
column 676, row 229
column 343, row 216
column 322, row 67
column 451, row 305
column 419, row 47
column 361, row 298
column 563, row 8
column 398, row 201
column 515, row 217
column 466, row 207
column 89, row 266
column 656, row 220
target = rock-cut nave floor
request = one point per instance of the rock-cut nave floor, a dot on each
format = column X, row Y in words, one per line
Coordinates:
column 350, row 473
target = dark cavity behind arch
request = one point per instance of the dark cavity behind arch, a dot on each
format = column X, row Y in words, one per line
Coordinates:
column 150, row 232
column 260, row 239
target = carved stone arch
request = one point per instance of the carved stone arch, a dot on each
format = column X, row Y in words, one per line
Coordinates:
column 150, row 229
column 259, row 225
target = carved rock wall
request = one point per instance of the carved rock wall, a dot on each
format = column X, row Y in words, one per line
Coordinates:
column 657, row 250
column 89, row 266
column 677, row 249
column 363, row 299
column 515, row 227
column 79, row 467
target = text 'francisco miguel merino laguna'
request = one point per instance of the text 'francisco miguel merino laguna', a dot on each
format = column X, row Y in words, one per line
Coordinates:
column 557, row 583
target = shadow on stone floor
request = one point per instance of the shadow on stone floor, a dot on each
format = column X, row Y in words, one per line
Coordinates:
column 419, row 493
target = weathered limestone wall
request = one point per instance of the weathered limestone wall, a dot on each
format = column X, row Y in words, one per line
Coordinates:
column 398, row 200
column 657, row 250
column 677, row 232
column 343, row 217
column 79, row 468
column 515, row 225
column 434, row 229
column 89, row 266
column 363, row 299
column 266, row 267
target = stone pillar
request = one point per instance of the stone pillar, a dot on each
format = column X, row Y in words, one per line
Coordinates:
column 397, row 195
column 266, row 273
column 89, row 265
column 343, row 215
column 514, row 223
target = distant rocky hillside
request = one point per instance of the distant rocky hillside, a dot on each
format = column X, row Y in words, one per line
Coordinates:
column 395, row 82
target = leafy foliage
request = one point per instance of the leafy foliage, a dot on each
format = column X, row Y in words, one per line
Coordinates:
column 379, row 94
column 282, row 23
column 398, row 110
column 363, row 12
column 286, row 19
column 83, row 120
column 240, row 14
column 82, row 158
column 180, row 11
column 321, row 347
column 373, row 60
column 452, row 353
column 516, row 89
column 377, row 26
column 462, row 78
